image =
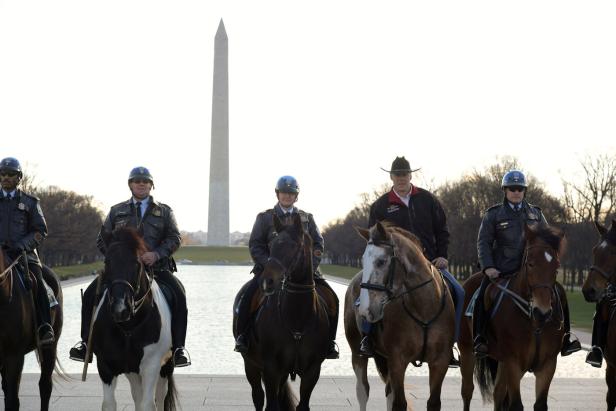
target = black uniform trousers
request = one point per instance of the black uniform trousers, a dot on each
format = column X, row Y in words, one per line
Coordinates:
column 43, row 313
column 179, row 310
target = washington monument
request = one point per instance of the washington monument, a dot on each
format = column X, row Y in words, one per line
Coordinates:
column 218, row 211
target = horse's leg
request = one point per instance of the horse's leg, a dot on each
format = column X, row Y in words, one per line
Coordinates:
column 134, row 380
column 271, row 380
column 48, row 360
column 309, row 380
column 149, row 372
column 514, row 375
column 543, row 379
column 161, row 391
column 610, row 379
column 11, row 377
column 253, row 374
column 362, row 388
column 109, row 401
column 396, row 381
column 467, row 365
column 500, row 388
column 438, row 370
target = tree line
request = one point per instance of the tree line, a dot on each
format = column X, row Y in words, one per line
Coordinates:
column 465, row 200
column 73, row 222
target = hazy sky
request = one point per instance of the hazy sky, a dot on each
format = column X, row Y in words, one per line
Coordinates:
column 328, row 91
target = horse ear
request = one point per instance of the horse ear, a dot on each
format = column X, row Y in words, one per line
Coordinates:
column 380, row 228
column 297, row 222
column 277, row 223
column 363, row 232
column 529, row 232
column 601, row 229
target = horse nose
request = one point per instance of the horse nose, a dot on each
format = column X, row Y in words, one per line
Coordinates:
column 120, row 312
column 268, row 286
column 540, row 315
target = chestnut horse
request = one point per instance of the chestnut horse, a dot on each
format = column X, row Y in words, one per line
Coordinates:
column 290, row 335
column 525, row 333
column 17, row 331
column 406, row 298
column 600, row 287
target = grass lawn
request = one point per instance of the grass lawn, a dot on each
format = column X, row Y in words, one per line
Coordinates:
column 214, row 255
column 78, row 270
column 339, row 270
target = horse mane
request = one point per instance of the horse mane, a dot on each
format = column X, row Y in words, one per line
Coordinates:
column 128, row 238
column 391, row 227
column 553, row 236
column 409, row 239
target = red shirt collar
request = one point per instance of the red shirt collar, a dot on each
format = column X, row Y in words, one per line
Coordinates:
column 393, row 197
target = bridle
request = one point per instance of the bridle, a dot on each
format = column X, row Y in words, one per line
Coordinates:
column 7, row 274
column 288, row 285
column 608, row 292
column 389, row 287
column 136, row 304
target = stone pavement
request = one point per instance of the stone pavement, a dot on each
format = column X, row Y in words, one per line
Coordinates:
column 226, row 393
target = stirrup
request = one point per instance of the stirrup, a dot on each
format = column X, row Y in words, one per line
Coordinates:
column 186, row 355
column 569, row 347
column 332, row 351
column 454, row 362
column 595, row 356
column 365, row 348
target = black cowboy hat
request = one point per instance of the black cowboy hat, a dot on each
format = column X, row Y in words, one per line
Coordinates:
column 400, row 165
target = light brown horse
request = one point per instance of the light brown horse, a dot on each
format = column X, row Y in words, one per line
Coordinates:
column 412, row 312
column 525, row 333
column 17, row 333
column 600, row 287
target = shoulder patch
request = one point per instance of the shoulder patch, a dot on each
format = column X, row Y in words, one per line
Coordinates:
column 30, row 196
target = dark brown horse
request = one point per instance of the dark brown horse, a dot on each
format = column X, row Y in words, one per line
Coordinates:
column 600, row 287
column 525, row 333
column 290, row 335
column 17, row 331
column 406, row 297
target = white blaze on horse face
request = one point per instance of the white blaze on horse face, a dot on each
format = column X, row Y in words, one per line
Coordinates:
column 370, row 302
column 548, row 257
column 603, row 244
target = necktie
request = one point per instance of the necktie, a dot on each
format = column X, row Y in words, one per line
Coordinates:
column 139, row 216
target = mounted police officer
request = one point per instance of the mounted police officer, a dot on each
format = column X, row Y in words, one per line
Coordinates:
column 287, row 191
column 156, row 223
column 22, row 228
column 419, row 212
column 500, row 246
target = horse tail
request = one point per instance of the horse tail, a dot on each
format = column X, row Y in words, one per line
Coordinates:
column 381, row 367
column 485, row 374
column 288, row 400
column 171, row 399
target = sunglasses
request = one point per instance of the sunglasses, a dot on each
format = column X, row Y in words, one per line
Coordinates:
column 139, row 181
column 515, row 189
column 8, row 174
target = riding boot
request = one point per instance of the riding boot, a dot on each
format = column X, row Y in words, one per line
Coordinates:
column 568, row 346
column 595, row 355
column 242, row 324
column 43, row 314
column 457, row 294
column 480, row 343
column 179, row 317
column 78, row 351
column 332, row 349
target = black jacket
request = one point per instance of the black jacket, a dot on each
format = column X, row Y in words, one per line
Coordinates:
column 263, row 232
column 500, row 242
column 424, row 217
column 22, row 224
column 158, row 228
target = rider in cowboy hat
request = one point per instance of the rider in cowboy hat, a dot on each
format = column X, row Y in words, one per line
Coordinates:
column 418, row 211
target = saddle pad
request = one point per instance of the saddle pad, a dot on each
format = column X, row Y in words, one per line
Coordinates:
column 471, row 305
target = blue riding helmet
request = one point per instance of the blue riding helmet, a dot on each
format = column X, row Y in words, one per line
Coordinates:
column 11, row 164
column 140, row 172
column 287, row 184
column 514, row 178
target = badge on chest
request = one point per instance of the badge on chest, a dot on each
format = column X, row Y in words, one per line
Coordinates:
column 393, row 208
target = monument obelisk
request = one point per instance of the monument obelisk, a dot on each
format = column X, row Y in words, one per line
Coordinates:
column 218, row 211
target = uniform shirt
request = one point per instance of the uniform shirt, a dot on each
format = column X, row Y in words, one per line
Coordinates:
column 22, row 224
column 263, row 233
column 500, row 242
column 157, row 226
column 423, row 216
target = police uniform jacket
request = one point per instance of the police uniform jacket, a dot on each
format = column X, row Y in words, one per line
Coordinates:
column 22, row 224
column 423, row 217
column 158, row 228
column 500, row 243
column 263, row 233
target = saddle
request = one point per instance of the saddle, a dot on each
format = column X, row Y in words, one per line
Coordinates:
column 33, row 283
column 494, row 297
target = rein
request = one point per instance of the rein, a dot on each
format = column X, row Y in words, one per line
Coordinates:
column 7, row 274
column 137, row 304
